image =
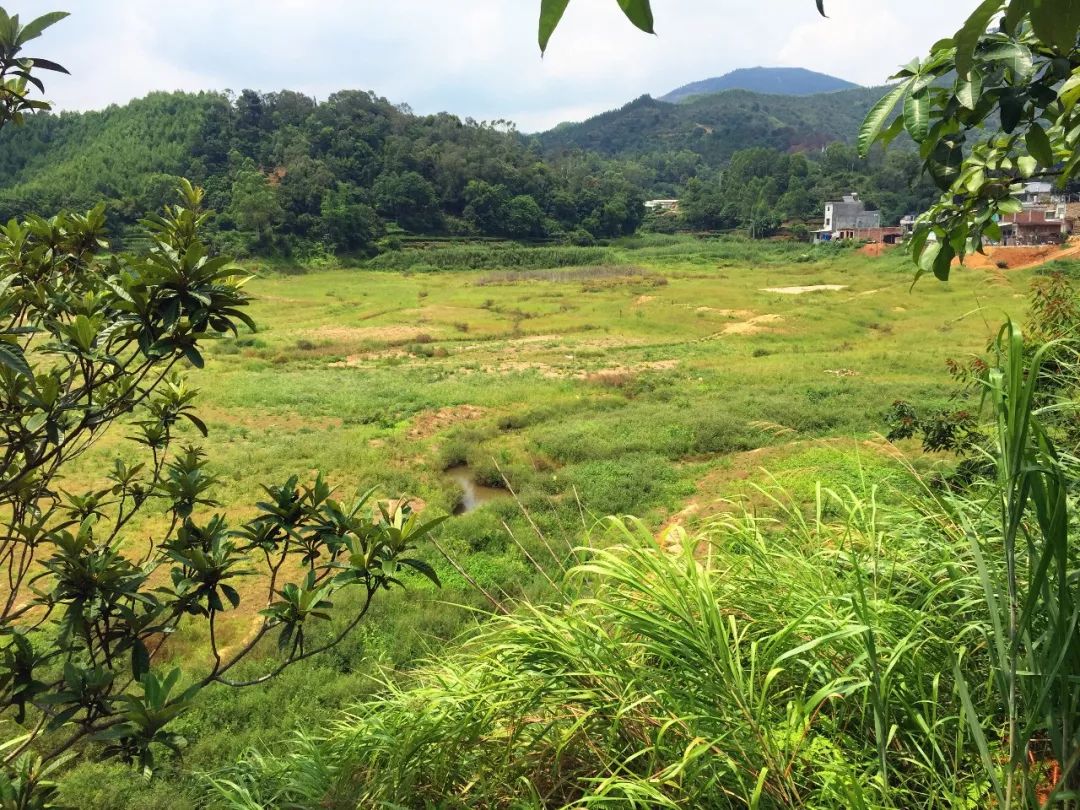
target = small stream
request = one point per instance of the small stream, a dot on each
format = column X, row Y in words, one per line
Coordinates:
column 473, row 495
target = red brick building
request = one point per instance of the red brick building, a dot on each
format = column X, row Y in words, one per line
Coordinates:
column 1033, row 226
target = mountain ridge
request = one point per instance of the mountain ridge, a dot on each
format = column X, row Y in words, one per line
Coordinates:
column 788, row 81
column 716, row 125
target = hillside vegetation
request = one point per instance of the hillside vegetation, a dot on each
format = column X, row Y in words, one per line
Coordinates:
column 356, row 175
column 716, row 125
column 286, row 173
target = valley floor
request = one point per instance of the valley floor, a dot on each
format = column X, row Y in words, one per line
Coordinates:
column 657, row 385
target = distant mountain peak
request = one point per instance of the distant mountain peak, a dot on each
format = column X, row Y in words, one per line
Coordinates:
column 774, row 80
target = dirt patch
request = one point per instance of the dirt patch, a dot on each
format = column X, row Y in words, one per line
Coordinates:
column 370, row 357
column 1012, row 257
column 874, row 249
column 385, row 334
column 643, row 299
column 726, row 313
column 431, row 422
column 759, row 323
column 616, row 375
column 1019, row 257
column 535, row 339
column 806, row 288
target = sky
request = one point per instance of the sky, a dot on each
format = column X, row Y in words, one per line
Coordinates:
column 475, row 58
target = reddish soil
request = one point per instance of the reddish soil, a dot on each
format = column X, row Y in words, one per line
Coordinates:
column 1019, row 257
column 874, row 249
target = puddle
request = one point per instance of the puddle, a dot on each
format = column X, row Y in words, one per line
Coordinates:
column 805, row 289
column 473, row 495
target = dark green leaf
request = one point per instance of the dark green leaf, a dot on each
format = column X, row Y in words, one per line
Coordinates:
column 11, row 355
column 423, row 568
column 875, row 119
column 551, row 11
column 48, row 64
column 1014, row 14
column 1012, row 109
column 199, row 424
column 969, row 90
column 34, row 28
column 942, row 263
column 1056, row 21
column 1015, row 56
column 140, row 659
column 917, row 116
column 1038, row 144
column 231, row 595
column 639, row 13
column 194, row 357
column 968, row 36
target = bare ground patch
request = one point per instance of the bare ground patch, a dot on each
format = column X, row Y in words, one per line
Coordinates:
column 726, row 313
column 384, row 334
column 805, row 288
column 751, row 326
column 429, row 423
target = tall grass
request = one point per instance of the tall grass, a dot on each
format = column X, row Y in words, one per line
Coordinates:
column 1034, row 608
column 768, row 662
column 907, row 649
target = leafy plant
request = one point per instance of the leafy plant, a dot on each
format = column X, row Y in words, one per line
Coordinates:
column 991, row 107
column 90, row 341
column 639, row 12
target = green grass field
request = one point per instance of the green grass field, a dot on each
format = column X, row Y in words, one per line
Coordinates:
column 652, row 384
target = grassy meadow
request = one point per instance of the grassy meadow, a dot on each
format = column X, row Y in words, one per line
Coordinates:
column 656, row 377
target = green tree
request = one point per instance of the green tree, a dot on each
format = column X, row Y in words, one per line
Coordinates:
column 348, row 221
column 408, row 199
column 703, row 205
column 253, row 203
column 486, row 206
column 524, row 218
column 88, row 342
column 990, row 108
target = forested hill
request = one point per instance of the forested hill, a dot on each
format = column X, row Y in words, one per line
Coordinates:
column 716, row 125
column 356, row 174
column 285, row 171
column 120, row 154
column 779, row 80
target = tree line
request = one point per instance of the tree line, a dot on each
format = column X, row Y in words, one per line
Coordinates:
column 286, row 172
column 354, row 174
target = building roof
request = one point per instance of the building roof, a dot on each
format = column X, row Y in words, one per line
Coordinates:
column 1038, row 187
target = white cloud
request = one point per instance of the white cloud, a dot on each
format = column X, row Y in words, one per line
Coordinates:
column 471, row 57
column 867, row 42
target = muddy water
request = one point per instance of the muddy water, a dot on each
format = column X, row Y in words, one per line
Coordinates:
column 473, row 495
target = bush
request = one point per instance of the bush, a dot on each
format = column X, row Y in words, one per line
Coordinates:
column 489, row 257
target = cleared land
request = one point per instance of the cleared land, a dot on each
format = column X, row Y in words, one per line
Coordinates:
column 658, row 383
column 625, row 386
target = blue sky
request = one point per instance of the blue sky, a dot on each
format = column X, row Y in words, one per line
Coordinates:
column 471, row 57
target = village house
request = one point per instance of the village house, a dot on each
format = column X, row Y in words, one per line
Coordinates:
column 849, row 218
column 1033, row 226
column 1047, row 217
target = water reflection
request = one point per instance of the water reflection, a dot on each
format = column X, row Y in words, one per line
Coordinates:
column 473, row 495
